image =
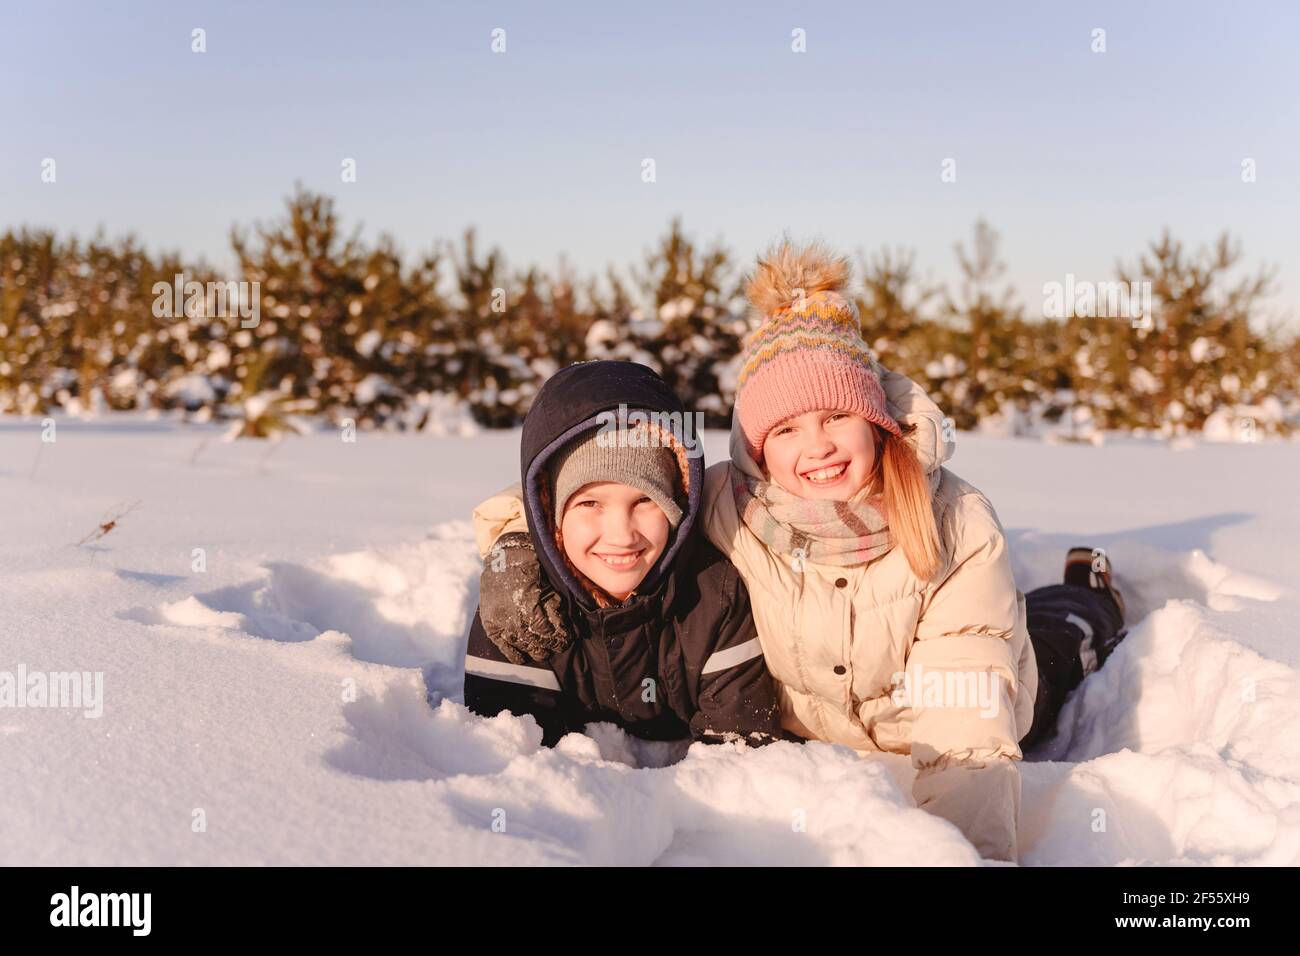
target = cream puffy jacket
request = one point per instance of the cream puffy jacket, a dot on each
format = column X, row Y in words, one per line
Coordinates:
column 876, row 659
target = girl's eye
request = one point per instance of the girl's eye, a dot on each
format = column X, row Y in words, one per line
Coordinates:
column 782, row 430
column 837, row 415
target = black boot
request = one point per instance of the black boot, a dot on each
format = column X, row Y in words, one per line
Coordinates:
column 1090, row 568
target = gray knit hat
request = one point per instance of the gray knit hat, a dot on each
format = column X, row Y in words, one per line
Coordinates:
column 623, row 455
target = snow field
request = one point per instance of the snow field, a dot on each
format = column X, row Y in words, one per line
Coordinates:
column 301, row 695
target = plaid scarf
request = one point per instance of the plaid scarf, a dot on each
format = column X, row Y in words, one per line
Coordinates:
column 840, row 533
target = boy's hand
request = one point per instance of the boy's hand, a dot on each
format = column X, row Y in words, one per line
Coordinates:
column 520, row 612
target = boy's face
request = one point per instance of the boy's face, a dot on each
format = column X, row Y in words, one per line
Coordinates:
column 824, row 454
column 614, row 533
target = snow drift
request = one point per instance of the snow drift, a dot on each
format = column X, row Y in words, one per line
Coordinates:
column 282, row 653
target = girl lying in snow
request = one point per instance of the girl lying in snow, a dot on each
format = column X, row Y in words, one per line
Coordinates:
column 663, row 641
column 881, row 584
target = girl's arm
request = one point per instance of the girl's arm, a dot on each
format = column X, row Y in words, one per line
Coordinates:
column 503, row 513
column 962, row 685
column 718, row 511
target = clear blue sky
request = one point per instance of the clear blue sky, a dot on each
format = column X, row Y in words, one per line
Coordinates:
column 1074, row 157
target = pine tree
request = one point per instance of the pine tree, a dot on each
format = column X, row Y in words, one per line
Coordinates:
column 896, row 314
column 995, row 343
column 696, row 330
column 1199, row 351
column 309, row 274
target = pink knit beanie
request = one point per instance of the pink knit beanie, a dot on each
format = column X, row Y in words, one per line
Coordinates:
column 807, row 352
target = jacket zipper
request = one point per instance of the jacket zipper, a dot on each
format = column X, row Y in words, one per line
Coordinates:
column 609, row 664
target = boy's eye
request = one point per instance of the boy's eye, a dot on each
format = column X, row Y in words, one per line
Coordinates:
column 583, row 504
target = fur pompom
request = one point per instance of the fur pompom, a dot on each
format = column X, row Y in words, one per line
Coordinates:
column 787, row 268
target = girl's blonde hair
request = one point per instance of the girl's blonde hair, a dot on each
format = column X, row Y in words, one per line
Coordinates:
column 908, row 501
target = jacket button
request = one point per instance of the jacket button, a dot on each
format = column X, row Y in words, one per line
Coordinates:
column 839, row 668
column 616, row 643
column 841, row 582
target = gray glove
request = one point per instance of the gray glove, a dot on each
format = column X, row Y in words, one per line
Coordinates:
column 521, row 613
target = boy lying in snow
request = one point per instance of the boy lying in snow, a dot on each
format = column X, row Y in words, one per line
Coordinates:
column 654, row 624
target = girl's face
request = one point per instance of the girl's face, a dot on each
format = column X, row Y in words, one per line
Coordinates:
column 825, row 454
column 614, row 533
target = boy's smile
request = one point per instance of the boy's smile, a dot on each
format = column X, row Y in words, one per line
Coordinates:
column 614, row 533
column 619, row 561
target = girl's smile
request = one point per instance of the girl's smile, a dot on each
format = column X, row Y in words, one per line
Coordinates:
column 823, row 454
column 828, row 475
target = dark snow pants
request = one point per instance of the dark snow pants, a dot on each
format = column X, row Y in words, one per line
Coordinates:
column 1065, row 622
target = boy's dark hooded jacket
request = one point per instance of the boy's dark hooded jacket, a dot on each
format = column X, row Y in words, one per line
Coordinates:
column 680, row 658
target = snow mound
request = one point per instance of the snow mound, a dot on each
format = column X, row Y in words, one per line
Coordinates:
column 405, row 606
column 587, row 802
column 1168, row 754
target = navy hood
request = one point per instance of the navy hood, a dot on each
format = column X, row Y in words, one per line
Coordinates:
column 572, row 401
